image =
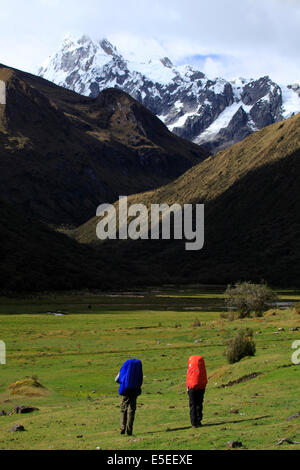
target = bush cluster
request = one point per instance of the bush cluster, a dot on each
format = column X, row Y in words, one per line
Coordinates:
column 240, row 346
column 247, row 297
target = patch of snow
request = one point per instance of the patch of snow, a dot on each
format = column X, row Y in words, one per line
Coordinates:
column 178, row 105
column 154, row 70
column 218, row 87
column 222, row 121
column 239, row 81
column 290, row 102
column 252, row 124
column 163, row 118
column 266, row 98
column 181, row 121
column 247, row 107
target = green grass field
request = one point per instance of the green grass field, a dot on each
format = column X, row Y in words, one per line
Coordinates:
column 76, row 357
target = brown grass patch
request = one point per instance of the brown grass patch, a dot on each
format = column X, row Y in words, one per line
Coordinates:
column 271, row 313
column 29, row 387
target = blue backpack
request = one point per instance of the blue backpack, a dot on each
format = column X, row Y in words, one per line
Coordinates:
column 131, row 377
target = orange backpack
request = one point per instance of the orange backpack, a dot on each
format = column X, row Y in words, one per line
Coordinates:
column 196, row 375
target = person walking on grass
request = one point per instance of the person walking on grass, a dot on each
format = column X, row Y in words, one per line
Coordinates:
column 196, row 381
column 130, row 379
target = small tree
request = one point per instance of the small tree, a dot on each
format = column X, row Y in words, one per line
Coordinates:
column 240, row 346
column 247, row 297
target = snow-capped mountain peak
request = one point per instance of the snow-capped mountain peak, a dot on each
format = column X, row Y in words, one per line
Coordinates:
column 213, row 112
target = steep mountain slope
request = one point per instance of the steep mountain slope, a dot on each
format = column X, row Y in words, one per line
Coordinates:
column 35, row 258
column 252, row 215
column 61, row 154
column 215, row 113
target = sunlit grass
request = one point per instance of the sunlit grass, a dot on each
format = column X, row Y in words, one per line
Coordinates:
column 76, row 357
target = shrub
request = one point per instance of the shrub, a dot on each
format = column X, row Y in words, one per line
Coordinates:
column 240, row 346
column 196, row 323
column 247, row 297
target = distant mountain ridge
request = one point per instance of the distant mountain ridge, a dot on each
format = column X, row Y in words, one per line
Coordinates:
column 215, row 113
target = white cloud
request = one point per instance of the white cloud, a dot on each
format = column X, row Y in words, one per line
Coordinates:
column 261, row 36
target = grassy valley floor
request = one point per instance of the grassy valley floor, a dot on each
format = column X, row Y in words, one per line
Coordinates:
column 75, row 356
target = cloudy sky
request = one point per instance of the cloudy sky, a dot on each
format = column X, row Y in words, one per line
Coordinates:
column 226, row 38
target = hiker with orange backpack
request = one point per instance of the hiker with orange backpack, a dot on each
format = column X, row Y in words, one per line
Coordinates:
column 130, row 379
column 196, row 384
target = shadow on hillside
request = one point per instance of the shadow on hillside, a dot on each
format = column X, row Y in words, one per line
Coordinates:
column 220, row 423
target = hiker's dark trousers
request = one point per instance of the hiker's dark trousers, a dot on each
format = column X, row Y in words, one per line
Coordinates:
column 196, row 405
column 128, row 407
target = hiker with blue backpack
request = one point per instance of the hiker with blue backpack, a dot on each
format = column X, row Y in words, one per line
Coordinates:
column 130, row 379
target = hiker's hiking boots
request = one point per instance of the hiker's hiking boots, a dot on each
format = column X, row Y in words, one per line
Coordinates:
column 123, row 430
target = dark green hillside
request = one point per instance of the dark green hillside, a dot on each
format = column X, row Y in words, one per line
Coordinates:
column 252, row 215
column 35, row 258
